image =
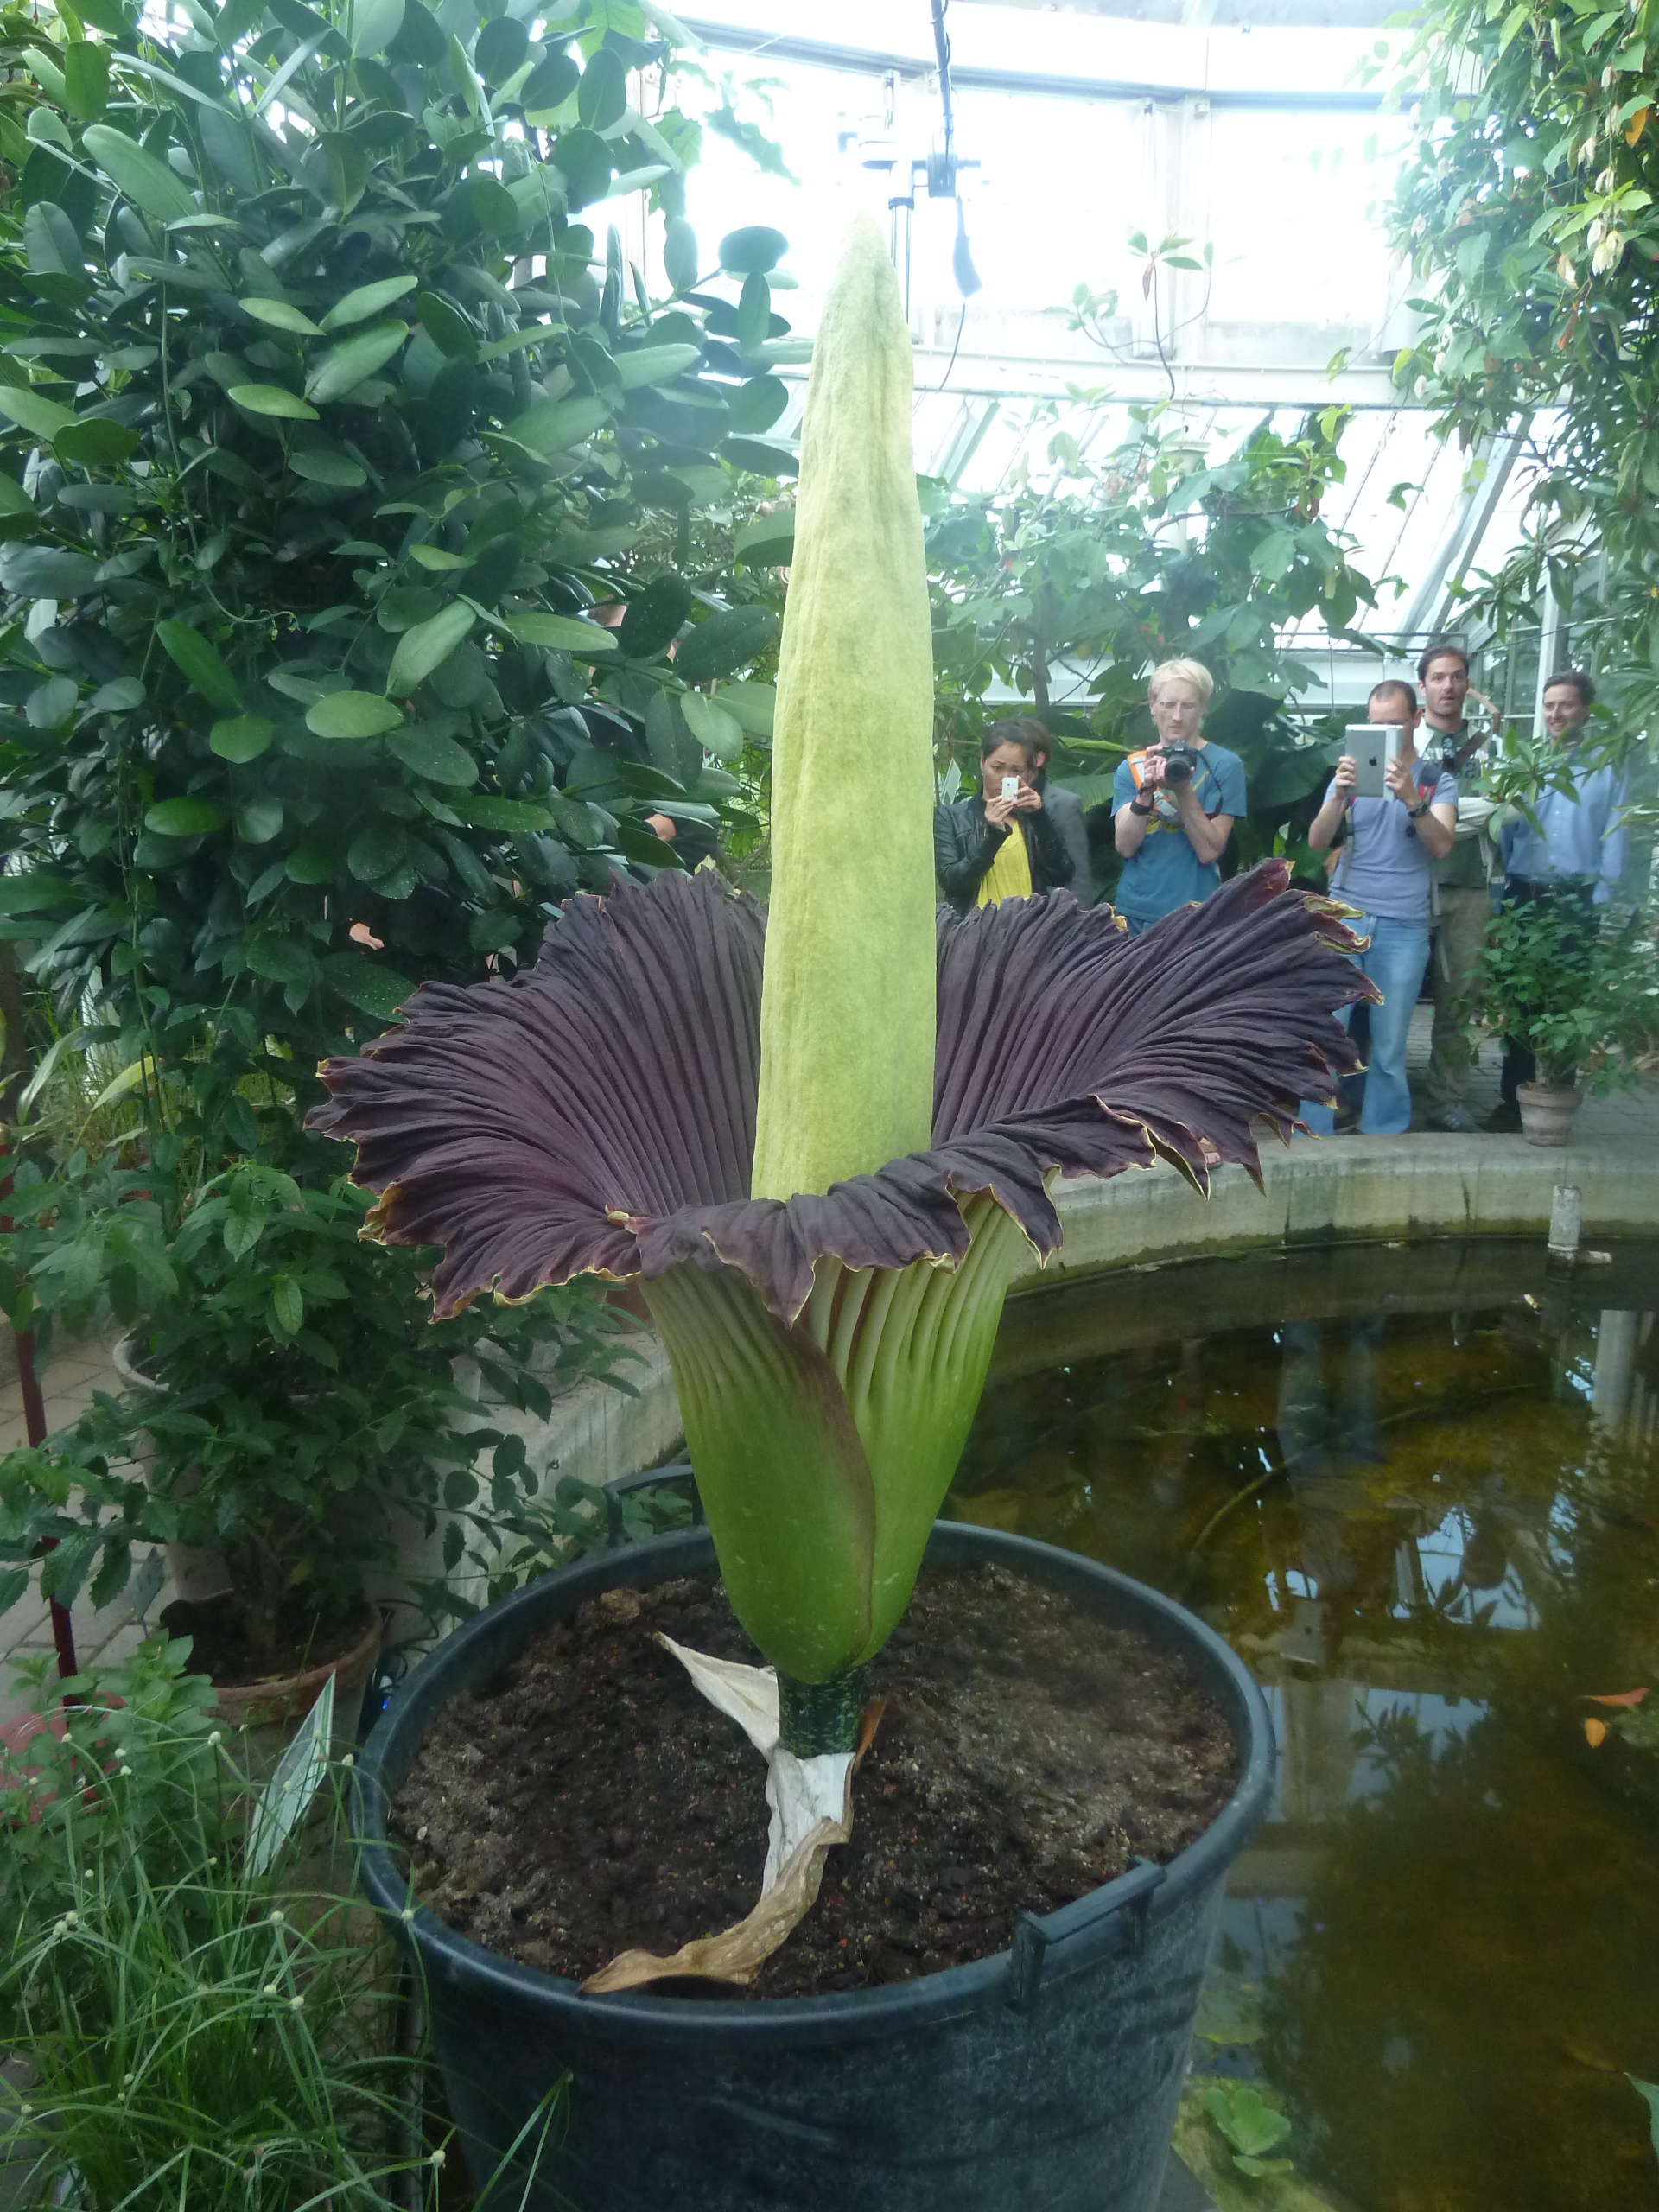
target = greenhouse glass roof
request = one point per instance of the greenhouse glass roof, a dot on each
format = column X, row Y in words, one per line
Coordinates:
column 1249, row 130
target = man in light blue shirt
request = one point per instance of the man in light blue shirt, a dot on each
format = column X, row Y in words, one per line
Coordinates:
column 1384, row 872
column 1575, row 856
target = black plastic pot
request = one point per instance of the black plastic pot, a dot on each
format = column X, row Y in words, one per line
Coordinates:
column 1043, row 2080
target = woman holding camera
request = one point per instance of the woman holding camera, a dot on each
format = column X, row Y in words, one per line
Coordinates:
column 1002, row 842
column 1173, row 804
column 1384, row 871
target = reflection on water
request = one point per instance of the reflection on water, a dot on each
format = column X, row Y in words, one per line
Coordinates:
column 1418, row 1488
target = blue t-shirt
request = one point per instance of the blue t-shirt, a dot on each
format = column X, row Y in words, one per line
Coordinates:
column 1167, row 873
column 1383, row 868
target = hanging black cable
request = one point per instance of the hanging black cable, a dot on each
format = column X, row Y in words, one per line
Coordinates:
column 942, row 183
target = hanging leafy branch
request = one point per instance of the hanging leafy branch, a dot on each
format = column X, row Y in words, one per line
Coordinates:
column 1067, row 595
column 1528, row 214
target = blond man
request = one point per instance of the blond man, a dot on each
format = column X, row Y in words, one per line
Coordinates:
column 1173, row 805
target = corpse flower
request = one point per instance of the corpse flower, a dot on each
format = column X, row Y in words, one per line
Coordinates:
column 819, row 1139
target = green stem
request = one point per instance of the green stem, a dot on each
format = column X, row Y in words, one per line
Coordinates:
column 815, row 1717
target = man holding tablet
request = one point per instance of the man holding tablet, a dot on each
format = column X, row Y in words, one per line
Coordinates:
column 1391, row 836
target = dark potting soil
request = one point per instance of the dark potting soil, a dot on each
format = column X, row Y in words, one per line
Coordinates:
column 592, row 1801
column 222, row 1649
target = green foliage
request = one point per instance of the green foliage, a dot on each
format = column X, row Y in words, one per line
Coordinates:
column 514, row 1544
column 1529, row 218
column 205, row 2029
column 329, row 410
column 1649, row 2091
column 1068, row 597
column 305, row 1407
column 1252, row 2128
column 146, row 1758
column 321, row 485
column 1578, row 997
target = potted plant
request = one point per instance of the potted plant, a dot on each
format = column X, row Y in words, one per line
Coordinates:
column 1576, row 987
column 307, row 490
column 295, row 1424
column 819, row 1165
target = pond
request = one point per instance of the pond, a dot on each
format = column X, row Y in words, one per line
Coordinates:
column 1417, row 1488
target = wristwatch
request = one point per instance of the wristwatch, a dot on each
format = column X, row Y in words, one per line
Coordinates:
column 1421, row 808
column 1135, row 807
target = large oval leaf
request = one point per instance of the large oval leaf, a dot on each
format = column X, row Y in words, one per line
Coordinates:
column 360, row 983
column 446, row 326
column 680, row 253
column 375, row 24
column 768, row 541
column 429, row 753
column 553, row 424
column 511, row 816
column 753, row 250
column 33, row 412
column 258, row 822
column 95, row 443
column 757, row 404
column 602, row 95
column 243, row 738
column 345, row 366
column 427, row 646
column 352, row 713
column 368, row 299
column 725, row 641
column 562, row 633
column 655, row 364
column 583, row 160
column 278, row 314
column 653, row 619
column 86, row 79
column 318, row 465
column 272, row 399
column 501, row 47
column 51, row 702
column 186, row 817
column 149, row 184
column 759, row 458
column 38, row 893
column 715, row 730
column 548, row 84
column 197, row 658
column 753, row 706
column 404, row 604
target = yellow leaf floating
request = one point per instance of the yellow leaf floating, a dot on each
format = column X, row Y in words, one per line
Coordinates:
column 1595, row 1732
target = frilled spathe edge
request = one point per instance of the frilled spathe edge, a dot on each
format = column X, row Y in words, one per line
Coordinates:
column 598, row 1114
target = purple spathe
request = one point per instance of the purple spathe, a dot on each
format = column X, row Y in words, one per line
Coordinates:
column 597, row 1113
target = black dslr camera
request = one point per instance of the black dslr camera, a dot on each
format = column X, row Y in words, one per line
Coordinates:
column 1181, row 761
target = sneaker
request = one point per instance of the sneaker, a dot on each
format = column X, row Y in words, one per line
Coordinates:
column 1454, row 1120
column 1504, row 1119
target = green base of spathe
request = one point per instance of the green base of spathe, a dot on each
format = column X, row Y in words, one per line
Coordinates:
column 818, row 1718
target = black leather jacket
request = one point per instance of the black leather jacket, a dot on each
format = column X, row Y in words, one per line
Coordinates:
column 964, row 847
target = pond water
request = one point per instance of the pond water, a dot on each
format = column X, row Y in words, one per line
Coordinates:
column 1417, row 1488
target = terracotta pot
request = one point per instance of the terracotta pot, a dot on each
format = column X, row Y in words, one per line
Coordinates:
column 194, row 1574
column 270, row 1712
column 1547, row 1111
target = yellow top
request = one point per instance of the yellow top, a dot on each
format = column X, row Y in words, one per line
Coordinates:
column 1009, row 874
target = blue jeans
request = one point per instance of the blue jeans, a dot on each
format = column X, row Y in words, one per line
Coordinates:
column 1395, row 960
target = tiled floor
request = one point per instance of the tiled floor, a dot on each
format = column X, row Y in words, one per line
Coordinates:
column 1624, row 1113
